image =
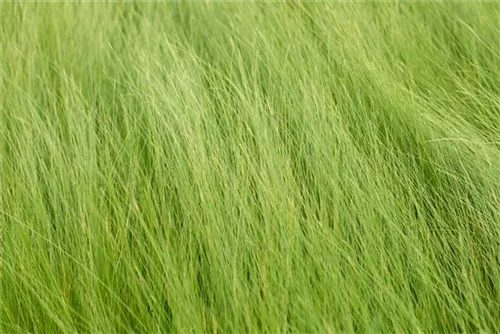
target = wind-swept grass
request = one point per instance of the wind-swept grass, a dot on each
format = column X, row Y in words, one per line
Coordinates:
column 250, row 167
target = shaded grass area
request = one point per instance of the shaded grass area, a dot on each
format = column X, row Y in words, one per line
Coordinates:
column 250, row 167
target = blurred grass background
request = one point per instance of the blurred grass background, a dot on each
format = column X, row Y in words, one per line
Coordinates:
column 250, row 167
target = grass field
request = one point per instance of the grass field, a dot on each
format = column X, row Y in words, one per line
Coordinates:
column 250, row 167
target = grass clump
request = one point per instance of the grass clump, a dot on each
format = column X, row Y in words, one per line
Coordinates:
column 250, row 167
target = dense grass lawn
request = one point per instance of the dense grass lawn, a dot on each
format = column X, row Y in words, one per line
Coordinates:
column 250, row 167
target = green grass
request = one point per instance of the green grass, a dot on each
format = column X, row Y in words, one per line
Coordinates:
column 250, row 167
